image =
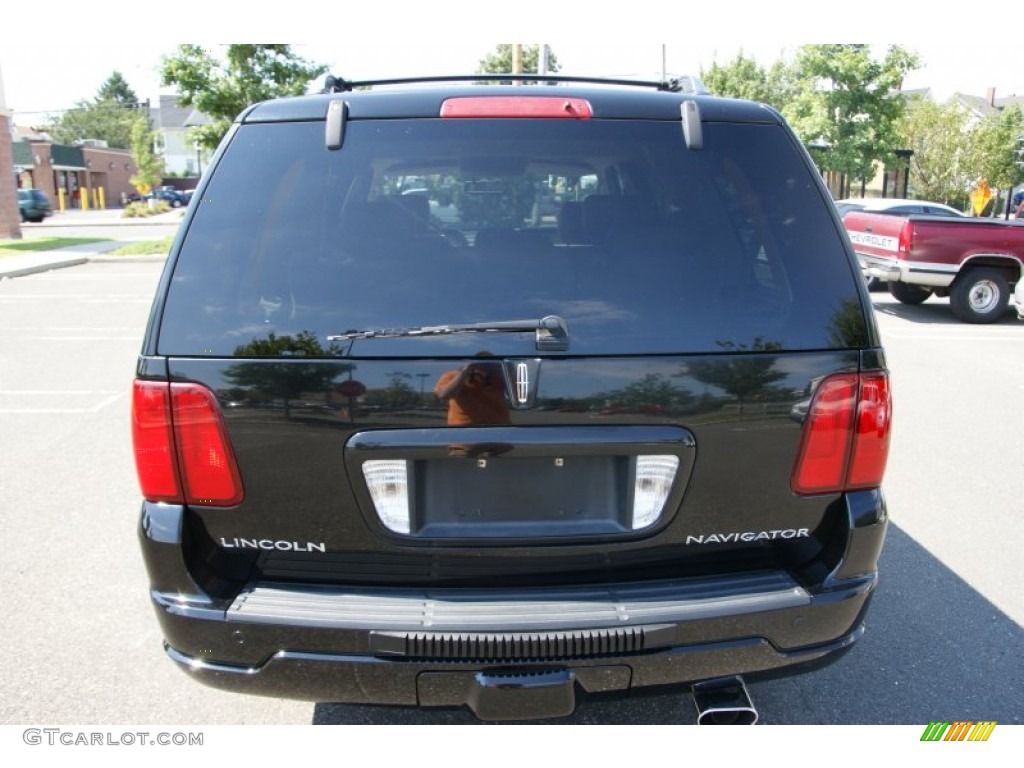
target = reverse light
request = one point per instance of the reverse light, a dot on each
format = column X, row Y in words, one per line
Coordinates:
column 654, row 477
column 388, row 482
column 845, row 443
column 182, row 451
column 516, row 106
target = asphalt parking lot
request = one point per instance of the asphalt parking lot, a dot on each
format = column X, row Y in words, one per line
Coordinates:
column 944, row 637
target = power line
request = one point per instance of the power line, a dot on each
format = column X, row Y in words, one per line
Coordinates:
column 113, row 104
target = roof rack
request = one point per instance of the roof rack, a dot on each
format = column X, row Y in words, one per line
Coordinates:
column 685, row 84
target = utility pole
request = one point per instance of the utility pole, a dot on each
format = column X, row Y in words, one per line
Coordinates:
column 542, row 63
column 517, row 58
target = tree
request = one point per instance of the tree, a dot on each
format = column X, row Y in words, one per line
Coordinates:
column 653, row 391
column 847, row 102
column 252, row 73
column 953, row 151
column 397, row 395
column 941, row 139
column 995, row 142
column 150, row 165
column 115, row 89
column 744, row 78
column 109, row 117
column 740, row 375
column 284, row 379
column 500, row 61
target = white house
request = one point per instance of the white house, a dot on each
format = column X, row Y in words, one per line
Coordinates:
column 171, row 121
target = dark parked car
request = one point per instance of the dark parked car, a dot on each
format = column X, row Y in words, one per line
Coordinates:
column 173, row 197
column 33, row 205
column 560, row 456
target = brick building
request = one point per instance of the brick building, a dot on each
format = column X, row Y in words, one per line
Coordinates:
column 74, row 171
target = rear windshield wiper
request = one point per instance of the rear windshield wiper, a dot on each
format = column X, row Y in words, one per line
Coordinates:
column 552, row 331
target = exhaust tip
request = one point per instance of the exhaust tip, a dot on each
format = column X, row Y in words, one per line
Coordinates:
column 723, row 701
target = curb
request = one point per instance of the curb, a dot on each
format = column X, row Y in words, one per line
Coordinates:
column 150, row 222
column 77, row 260
column 35, row 268
column 138, row 259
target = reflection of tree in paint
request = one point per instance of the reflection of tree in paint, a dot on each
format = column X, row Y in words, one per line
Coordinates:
column 653, row 391
column 399, row 393
column 740, row 375
column 283, row 378
column 846, row 329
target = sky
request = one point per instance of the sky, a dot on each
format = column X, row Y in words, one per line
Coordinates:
column 400, row 43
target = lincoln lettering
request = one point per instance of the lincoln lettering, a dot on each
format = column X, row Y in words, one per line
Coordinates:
column 726, row 538
column 283, row 546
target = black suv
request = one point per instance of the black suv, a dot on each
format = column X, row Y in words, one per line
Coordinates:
column 409, row 432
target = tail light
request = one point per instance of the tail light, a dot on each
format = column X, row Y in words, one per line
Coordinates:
column 182, row 451
column 845, row 443
column 906, row 233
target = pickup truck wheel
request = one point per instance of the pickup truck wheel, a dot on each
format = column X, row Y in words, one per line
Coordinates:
column 980, row 295
column 909, row 294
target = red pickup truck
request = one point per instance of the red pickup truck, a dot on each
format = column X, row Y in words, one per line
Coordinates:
column 976, row 262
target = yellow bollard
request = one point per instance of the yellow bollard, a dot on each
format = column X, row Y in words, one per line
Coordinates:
column 60, row 199
column 101, row 193
column 83, row 195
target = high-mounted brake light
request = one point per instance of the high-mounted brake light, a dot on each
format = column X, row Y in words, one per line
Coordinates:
column 182, row 451
column 516, row 106
column 845, row 443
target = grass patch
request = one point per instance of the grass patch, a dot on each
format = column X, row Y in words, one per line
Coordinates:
column 144, row 247
column 9, row 247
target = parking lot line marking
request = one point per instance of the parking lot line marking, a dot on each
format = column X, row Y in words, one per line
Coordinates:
column 81, row 338
column 74, row 297
column 52, row 392
column 953, row 336
column 39, row 411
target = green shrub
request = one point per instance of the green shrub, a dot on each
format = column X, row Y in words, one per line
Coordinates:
column 142, row 209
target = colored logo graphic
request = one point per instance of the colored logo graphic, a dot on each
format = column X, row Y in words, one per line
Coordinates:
column 960, row 730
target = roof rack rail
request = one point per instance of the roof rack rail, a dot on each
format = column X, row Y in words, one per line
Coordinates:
column 685, row 84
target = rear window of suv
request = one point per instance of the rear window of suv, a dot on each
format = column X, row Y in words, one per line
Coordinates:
column 641, row 245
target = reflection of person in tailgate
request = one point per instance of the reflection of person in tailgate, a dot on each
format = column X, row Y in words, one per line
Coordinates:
column 475, row 394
